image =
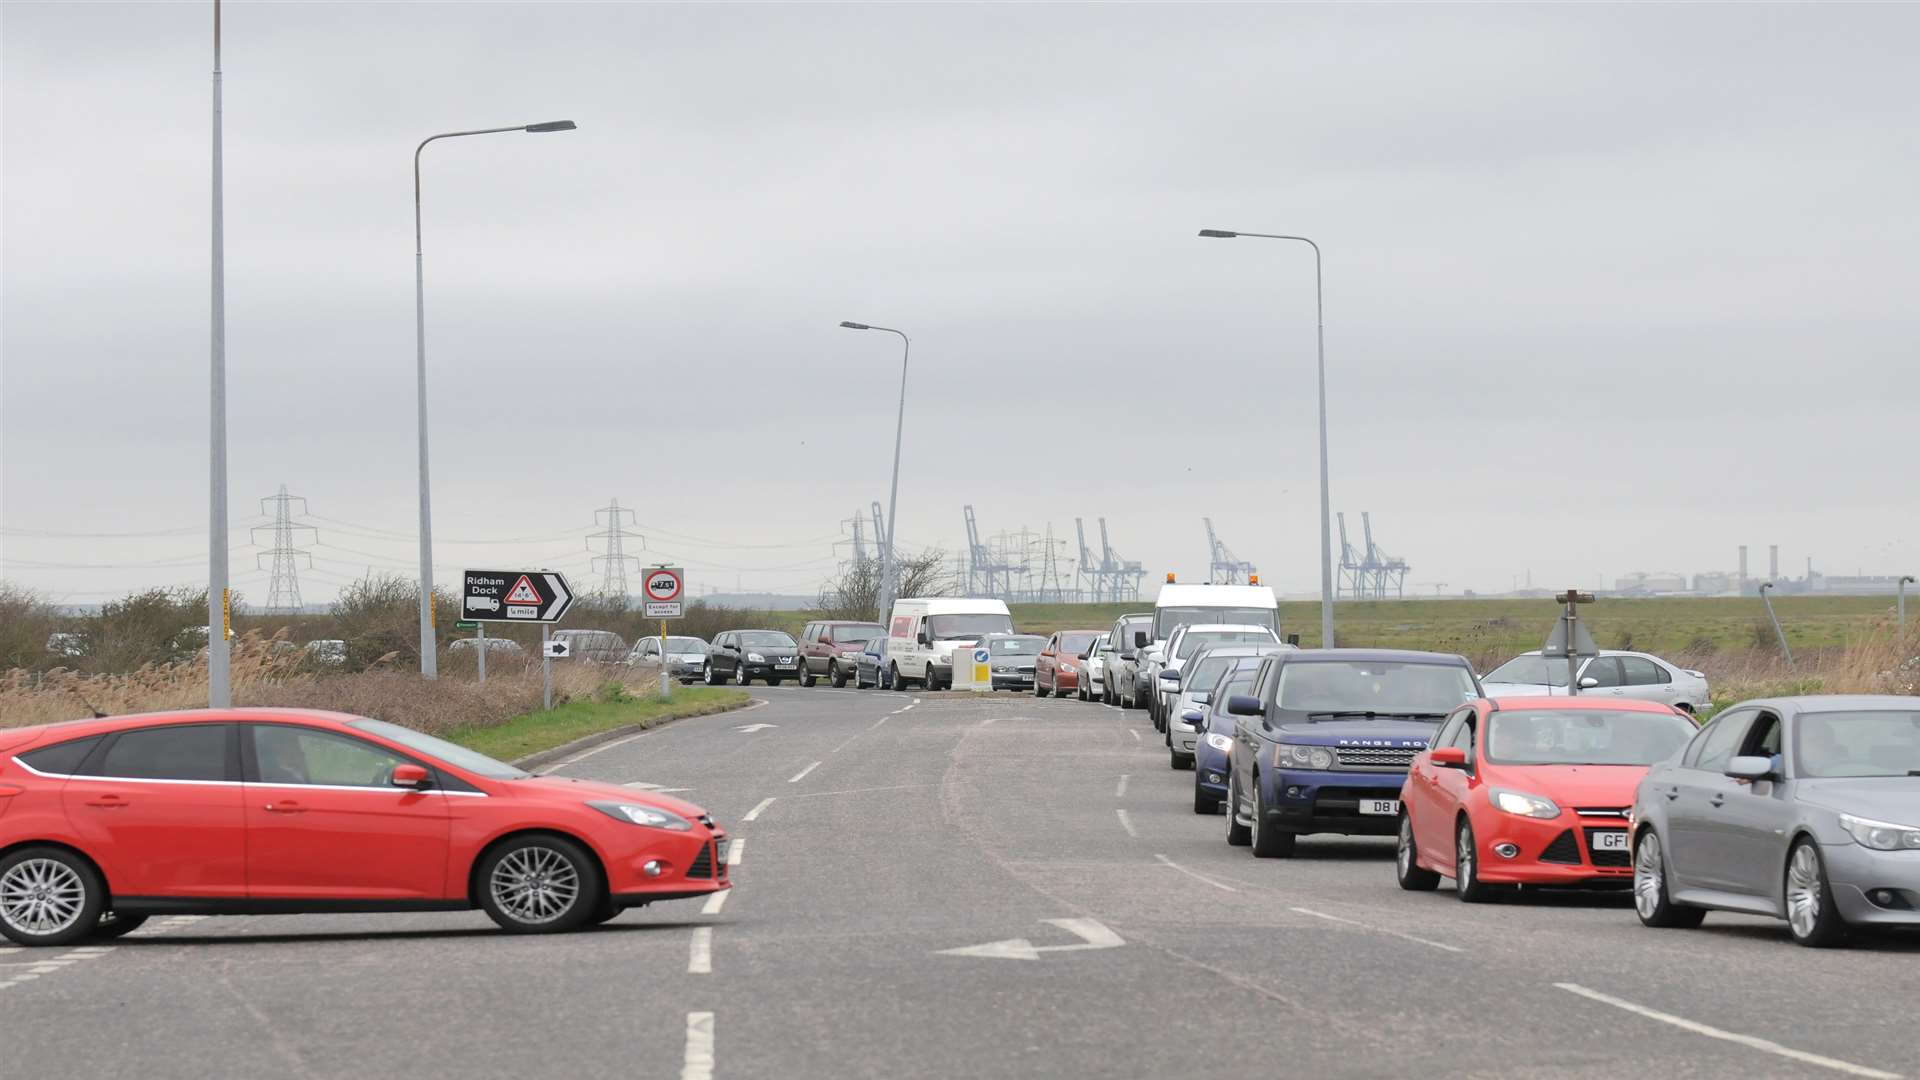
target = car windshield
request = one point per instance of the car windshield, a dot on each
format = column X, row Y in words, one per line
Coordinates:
column 854, row 632
column 1584, row 737
column 1374, row 686
column 1530, row 669
column 766, row 639
column 1195, row 640
column 1018, row 646
column 1078, row 641
column 971, row 626
column 1865, row 743
column 457, row 756
column 686, row 645
column 1168, row 619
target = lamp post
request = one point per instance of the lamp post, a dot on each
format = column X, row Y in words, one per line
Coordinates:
column 1326, row 514
column 219, row 674
column 1905, row 580
column 429, row 660
column 1765, row 586
column 893, row 495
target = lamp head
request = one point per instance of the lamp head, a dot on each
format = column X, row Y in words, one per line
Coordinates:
column 856, row 326
column 552, row 125
column 1218, row 234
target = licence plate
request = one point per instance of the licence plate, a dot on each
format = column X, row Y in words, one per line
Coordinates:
column 1610, row 841
column 785, row 663
column 1385, row 807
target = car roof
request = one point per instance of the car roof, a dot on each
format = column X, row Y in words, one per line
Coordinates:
column 1588, row 703
column 1835, row 703
column 1258, row 649
column 1410, row 656
column 1607, row 652
column 1195, row 628
column 102, row 724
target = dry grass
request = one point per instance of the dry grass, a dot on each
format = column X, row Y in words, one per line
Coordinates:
column 268, row 673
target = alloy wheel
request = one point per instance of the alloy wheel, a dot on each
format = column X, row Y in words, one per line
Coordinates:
column 1403, row 851
column 535, row 884
column 1463, row 858
column 41, row 896
column 1649, row 875
column 1803, row 891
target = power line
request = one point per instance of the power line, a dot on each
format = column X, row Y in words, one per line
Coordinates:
column 613, row 564
column 283, row 592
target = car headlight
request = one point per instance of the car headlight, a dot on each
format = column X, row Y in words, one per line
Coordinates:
column 1288, row 756
column 1881, row 835
column 1003, row 671
column 1525, row 805
column 756, row 658
column 1220, row 742
column 649, row 816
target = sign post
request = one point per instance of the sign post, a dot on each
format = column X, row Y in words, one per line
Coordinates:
column 1570, row 638
column 480, row 633
column 664, row 586
column 546, row 668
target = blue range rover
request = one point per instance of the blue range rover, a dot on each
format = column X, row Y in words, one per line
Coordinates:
column 1322, row 742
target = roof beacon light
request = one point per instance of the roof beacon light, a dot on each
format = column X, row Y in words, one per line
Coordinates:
column 1253, row 579
column 1169, row 577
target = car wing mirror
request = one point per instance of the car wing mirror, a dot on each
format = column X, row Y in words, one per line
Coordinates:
column 1752, row 767
column 1140, row 639
column 1128, row 655
column 1293, row 640
column 1588, row 682
column 1087, row 655
column 1170, row 676
column 1449, row 757
column 1245, row 705
column 410, row 776
column 1194, row 717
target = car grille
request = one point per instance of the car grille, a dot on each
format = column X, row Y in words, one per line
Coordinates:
column 1601, row 811
column 702, row 863
column 1398, row 759
column 1606, row 858
column 1563, row 850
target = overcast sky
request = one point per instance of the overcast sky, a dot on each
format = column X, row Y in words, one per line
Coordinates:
column 1608, row 288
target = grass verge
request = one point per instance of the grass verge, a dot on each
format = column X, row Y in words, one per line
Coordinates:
column 533, row 732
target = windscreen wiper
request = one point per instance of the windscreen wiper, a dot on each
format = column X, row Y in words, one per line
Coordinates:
column 1337, row 714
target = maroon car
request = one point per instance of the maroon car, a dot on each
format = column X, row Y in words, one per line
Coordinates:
column 831, row 649
column 1058, row 671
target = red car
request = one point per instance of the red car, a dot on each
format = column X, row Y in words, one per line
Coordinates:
column 1057, row 669
column 261, row 811
column 1531, row 791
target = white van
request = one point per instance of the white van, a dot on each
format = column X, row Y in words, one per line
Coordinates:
column 1181, row 605
column 923, row 633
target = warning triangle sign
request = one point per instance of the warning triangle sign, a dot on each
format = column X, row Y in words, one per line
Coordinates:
column 523, row 592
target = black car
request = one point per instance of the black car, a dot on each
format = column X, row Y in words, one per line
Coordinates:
column 746, row 655
column 1323, row 742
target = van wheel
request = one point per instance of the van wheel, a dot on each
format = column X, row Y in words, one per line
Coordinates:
column 894, row 681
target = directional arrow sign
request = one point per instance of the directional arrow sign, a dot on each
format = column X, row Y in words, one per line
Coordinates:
column 557, row 650
column 514, row 596
column 751, row 728
column 1092, row 935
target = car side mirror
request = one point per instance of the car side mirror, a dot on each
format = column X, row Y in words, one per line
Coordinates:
column 1088, row 655
column 1170, row 676
column 409, row 776
column 1293, row 640
column 1194, row 717
column 1588, row 682
column 1449, row 757
column 1128, row 655
column 1753, row 767
column 924, row 639
column 1140, row 639
column 1245, row 705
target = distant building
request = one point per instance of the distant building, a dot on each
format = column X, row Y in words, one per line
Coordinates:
column 1715, row 583
column 1641, row 583
column 1872, row 585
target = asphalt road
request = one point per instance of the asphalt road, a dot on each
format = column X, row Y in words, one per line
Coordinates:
column 878, row 834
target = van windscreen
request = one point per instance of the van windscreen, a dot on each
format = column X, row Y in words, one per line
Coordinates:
column 1167, row 619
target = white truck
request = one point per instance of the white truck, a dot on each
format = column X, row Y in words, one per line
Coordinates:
column 1178, row 605
column 923, row 632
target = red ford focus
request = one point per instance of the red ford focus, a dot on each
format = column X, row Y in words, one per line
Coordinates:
column 1531, row 791
column 260, row 811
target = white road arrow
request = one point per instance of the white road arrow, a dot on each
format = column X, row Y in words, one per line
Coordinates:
column 751, row 728
column 1092, row 935
column 641, row 785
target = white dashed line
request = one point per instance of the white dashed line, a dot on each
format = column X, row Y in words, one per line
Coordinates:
column 989, row 720
column 802, row 774
column 1127, row 823
column 715, row 902
column 1197, row 877
column 734, row 851
column 700, row 951
column 699, row 1060
column 1135, row 734
column 1379, row 930
column 1749, row 1041
column 755, row 812
column 1121, row 791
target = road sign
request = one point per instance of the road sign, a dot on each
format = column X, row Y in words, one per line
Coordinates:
column 555, row 650
column 665, row 609
column 466, row 625
column 521, row 596
column 664, row 583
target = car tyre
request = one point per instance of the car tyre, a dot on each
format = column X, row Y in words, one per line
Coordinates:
column 49, row 896
column 706, row 674
column 1038, row 690
column 113, row 925
column 1651, row 900
column 1812, row 916
column 1406, row 861
column 1269, row 842
column 540, row 884
column 1238, row 835
column 836, row 678
column 805, row 678
column 1178, row 761
column 1203, row 803
column 741, row 677
column 1466, row 867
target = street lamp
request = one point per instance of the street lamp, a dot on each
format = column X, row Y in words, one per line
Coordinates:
column 1777, row 632
column 893, row 496
column 429, row 661
column 1905, row 580
column 1326, row 514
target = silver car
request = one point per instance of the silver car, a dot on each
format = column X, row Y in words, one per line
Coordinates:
column 1193, row 687
column 1613, row 673
column 1805, row 809
column 685, row 656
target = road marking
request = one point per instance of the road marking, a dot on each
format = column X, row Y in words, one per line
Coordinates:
column 716, row 902
column 860, row 790
column 755, row 812
column 642, row 785
column 1197, row 877
column 1121, row 791
column 748, row 729
column 700, row 952
column 1379, row 930
column 802, row 774
column 1126, row 823
column 733, row 852
column 989, row 720
column 1135, row 734
column 1750, row 1041
column 699, row 1060
column 36, row 968
column 1092, row 934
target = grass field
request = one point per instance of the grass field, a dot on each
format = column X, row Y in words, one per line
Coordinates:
column 537, row 731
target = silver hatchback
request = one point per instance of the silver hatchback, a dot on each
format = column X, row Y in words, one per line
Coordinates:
column 1805, row 809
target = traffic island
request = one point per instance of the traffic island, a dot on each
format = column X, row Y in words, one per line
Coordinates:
column 540, row 737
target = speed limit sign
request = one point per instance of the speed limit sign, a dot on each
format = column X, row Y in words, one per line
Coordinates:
column 663, row 588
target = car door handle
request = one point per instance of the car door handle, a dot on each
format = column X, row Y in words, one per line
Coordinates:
column 108, row 802
column 1673, row 793
column 285, row 807
column 1718, row 801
